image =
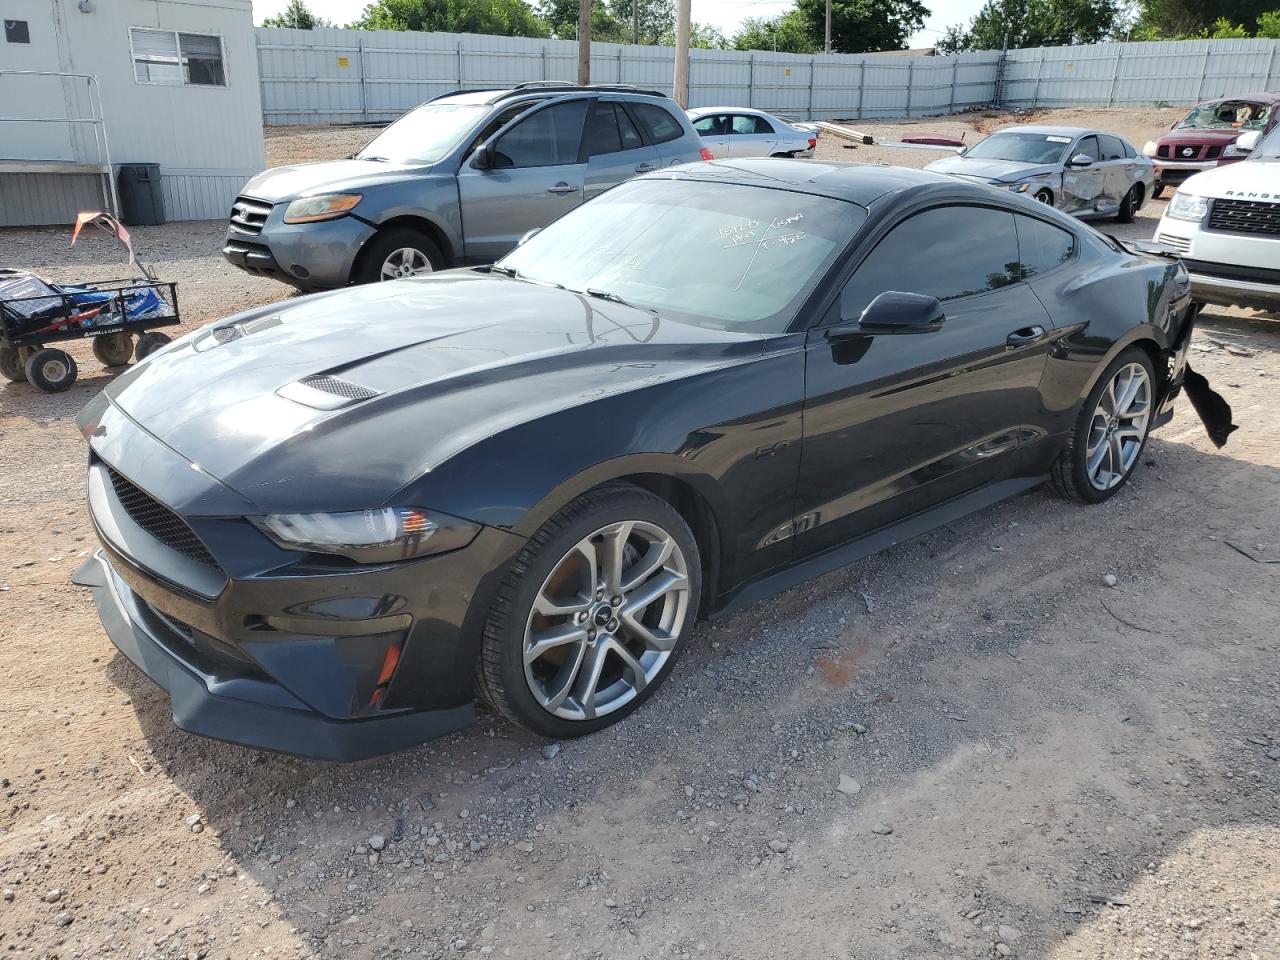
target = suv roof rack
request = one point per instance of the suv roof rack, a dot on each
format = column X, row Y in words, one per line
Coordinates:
column 564, row 86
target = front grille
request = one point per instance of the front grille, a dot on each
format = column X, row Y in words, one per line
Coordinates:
column 1182, row 244
column 1162, row 151
column 159, row 521
column 1213, row 153
column 1245, row 216
column 248, row 216
column 339, row 388
column 1185, row 151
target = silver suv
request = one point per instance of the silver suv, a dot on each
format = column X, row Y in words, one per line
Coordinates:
column 455, row 181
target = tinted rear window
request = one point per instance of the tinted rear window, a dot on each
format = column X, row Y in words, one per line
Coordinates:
column 1042, row 246
column 660, row 124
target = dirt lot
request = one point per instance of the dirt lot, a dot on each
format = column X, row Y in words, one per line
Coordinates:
column 1045, row 766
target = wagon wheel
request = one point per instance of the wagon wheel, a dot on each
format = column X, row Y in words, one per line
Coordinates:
column 113, row 349
column 51, row 370
column 11, row 364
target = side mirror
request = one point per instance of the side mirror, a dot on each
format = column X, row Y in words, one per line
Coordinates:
column 894, row 312
column 528, row 236
column 1080, row 160
column 1247, row 142
column 483, row 159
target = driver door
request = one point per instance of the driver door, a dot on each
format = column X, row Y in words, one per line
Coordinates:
column 1082, row 187
column 897, row 422
column 535, row 174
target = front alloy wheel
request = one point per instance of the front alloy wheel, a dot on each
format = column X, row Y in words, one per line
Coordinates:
column 592, row 613
column 605, row 621
column 404, row 262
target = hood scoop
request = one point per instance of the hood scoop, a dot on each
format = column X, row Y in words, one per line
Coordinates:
column 324, row 392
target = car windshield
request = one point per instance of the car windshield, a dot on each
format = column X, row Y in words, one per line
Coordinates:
column 426, row 134
column 720, row 255
column 1268, row 147
column 1226, row 115
column 1025, row 147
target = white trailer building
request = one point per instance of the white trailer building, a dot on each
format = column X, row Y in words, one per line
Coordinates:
column 86, row 85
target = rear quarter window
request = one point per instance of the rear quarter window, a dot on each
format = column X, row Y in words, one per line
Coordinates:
column 1042, row 246
column 657, row 122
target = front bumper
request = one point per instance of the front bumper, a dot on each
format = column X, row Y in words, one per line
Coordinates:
column 1172, row 172
column 1232, row 292
column 311, row 256
column 234, row 708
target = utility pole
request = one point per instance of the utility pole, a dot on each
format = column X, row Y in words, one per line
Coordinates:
column 827, row 47
column 681, row 91
column 635, row 21
column 584, row 42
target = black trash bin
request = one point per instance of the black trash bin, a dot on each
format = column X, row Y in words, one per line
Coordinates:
column 141, row 201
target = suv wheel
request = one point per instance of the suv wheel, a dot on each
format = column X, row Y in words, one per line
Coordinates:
column 394, row 254
column 592, row 615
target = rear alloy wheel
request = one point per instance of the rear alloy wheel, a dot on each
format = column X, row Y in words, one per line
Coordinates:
column 1130, row 205
column 11, row 366
column 51, row 370
column 113, row 349
column 397, row 254
column 1045, row 197
column 1110, row 431
column 592, row 615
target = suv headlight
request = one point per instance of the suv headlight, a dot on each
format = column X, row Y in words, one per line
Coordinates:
column 1149, row 148
column 1187, row 206
column 369, row 536
column 325, row 206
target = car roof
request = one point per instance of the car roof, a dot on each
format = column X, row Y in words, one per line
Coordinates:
column 542, row 89
column 1244, row 98
column 701, row 110
column 1050, row 130
column 860, row 183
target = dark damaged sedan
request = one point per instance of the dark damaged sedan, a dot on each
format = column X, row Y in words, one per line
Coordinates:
column 329, row 525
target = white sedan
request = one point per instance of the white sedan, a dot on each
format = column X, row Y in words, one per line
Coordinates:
column 743, row 132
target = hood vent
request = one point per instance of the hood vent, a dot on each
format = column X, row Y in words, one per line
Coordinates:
column 325, row 392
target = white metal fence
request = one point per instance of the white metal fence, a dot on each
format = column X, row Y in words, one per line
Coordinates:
column 343, row 76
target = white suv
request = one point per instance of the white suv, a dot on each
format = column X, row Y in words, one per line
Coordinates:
column 1225, row 225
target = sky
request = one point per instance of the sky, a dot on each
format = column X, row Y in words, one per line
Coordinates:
column 725, row 14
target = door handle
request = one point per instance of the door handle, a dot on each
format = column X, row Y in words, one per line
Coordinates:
column 645, row 167
column 1024, row 336
column 562, row 187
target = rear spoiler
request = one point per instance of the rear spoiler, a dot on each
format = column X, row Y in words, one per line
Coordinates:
column 1152, row 248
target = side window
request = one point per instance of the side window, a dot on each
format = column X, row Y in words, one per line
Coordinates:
column 1129, row 152
column 743, row 124
column 1110, row 147
column 497, row 123
column 706, row 126
column 968, row 250
column 601, row 133
column 1089, row 147
column 1042, row 246
column 627, row 132
column 659, row 124
column 549, row 137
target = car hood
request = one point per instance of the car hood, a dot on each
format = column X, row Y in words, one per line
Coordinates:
column 332, row 176
column 995, row 171
column 1193, row 135
column 1248, row 180
column 337, row 400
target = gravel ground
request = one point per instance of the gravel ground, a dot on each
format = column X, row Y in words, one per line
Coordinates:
column 969, row 746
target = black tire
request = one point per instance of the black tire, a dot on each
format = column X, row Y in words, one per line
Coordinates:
column 148, row 344
column 1157, row 190
column 113, row 349
column 500, row 671
column 386, row 242
column 51, row 370
column 1045, row 197
column 1069, row 476
column 1130, row 205
column 11, row 365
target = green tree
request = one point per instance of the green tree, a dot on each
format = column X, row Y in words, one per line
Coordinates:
column 297, row 16
column 861, row 26
column 1034, row 23
column 506, row 18
column 1224, row 29
column 1269, row 25
column 706, row 37
column 1176, row 19
column 785, row 33
column 656, row 19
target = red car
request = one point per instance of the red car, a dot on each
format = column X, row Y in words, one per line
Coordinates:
column 1201, row 138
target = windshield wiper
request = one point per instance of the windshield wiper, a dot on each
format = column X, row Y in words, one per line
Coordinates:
column 511, row 272
column 371, row 157
column 614, row 298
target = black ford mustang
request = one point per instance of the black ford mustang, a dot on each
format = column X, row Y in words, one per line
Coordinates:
column 328, row 525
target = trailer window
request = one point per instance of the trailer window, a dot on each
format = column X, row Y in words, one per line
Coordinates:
column 170, row 58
